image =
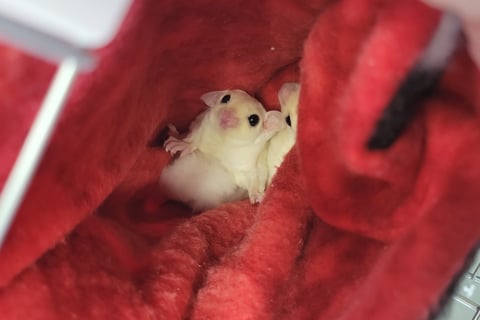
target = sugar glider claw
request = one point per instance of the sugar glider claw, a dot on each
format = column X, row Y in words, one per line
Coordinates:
column 174, row 145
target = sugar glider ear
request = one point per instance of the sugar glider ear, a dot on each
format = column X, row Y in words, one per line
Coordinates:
column 214, row 97
column 286, row 91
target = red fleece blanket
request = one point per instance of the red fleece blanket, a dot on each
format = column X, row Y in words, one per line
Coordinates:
column 343, row 232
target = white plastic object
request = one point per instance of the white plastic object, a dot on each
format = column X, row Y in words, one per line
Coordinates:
column 62, row 32
column 85, row 24
column 32, row 150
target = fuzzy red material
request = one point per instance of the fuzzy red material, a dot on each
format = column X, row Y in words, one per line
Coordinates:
column 343, row 232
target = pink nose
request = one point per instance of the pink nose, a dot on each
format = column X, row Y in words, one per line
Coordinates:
column 228, row 119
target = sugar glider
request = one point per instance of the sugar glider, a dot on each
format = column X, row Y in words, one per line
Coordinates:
column 283, row 140
column 224, row 142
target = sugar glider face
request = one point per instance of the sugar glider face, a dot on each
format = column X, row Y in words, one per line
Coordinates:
column 288, row 96
column 238, row 116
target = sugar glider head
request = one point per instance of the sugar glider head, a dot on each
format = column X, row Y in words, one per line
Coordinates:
column 288, row 97
column 240, row 118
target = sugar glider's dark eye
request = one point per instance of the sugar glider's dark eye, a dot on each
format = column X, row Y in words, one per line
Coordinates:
column 288, row 121
column 253, row 120
column 225, row 98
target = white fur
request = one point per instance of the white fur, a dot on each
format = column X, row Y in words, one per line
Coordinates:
column 200, row 182
column 225, row 158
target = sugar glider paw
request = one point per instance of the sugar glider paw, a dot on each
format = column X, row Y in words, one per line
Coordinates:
column 256, row 197
column 174, row 145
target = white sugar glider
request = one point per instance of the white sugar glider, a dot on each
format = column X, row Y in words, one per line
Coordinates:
column 281, row 143
column 233, row 131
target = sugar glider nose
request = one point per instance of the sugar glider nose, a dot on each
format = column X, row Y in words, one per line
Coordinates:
column 228, row 119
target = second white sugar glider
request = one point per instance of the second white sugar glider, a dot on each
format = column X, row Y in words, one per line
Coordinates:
column 233, row 131
column 281, row 143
